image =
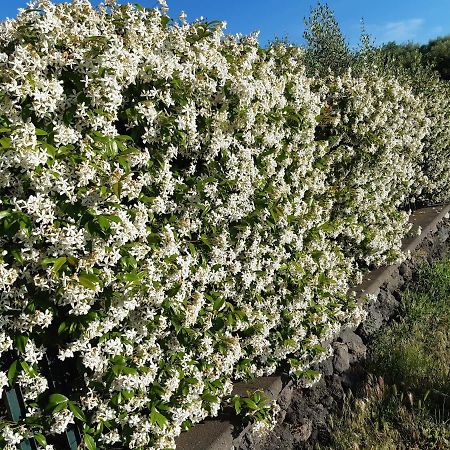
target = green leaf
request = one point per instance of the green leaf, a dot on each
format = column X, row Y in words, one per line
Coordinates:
column 237, row 404
column 30, row 10
column 47, row 261
column 40, row 439
column 89, row 442
column 57, row 399
column 111, row 148
column 40, row 132
column 12, row 372
column 127, row 394
column 88, row 280
column 103, row 221
column 250, row 404
column 58, row 264
column 123, row 163
column 218, row 303
column 72, row 261
column 129, row 371
column 210, row 398
column 21, row 342
column 164, row 21
column 117, row 188
column 17, row 255
column 4, row 214
column 257, row 397
column 27, row 369
column 5, row 130
column 62, row 327
column 124, row 137
column 157, row 417
column 5, row 142
column 114, row 218
column 101, row 39
column 51, row 150
column 77, row 412
column 59, row 407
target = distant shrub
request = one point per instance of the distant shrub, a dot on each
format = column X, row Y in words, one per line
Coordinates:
column 326, row 47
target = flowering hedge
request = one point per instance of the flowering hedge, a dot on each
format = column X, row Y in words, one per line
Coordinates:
column 435, row 95
column 180, row 209
column 374, row 128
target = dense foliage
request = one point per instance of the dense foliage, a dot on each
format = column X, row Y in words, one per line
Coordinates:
column 179, row 209
column 437, row 52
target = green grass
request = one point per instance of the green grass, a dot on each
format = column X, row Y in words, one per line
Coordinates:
column 405, row 403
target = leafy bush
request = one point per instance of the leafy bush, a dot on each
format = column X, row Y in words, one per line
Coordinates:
column 180, row 209
column 374, row 128
column 437, row 52
column 326, row 47
column 411, row 68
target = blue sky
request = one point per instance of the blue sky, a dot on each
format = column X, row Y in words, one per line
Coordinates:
column 386, row 20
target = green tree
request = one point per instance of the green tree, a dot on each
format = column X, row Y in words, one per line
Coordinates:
column 404, row 55
column 437, row 52
column 326, row 47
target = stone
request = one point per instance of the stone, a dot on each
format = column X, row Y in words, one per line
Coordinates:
column 372, row 324
column 443, row 234
column 341, row 358
column 354, row 343
column 280, row 439
column 395, row 280
column 405, row 270
column 326, row 367
column 318, row 414
column 302, row 432
column 387, row 304
column 335, row 387
column 327, row 401
column 285, row 398
column 209, row 435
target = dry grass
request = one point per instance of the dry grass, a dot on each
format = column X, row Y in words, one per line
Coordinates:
column 406, row 402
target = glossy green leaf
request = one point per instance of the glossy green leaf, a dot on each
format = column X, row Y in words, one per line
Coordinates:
column 17, row 255
column 104, row 223
column 21, row 342
column 56, row 399
column 12, row 372
column 77, row 412
column 58, row 264
column 158, row 418
column 62, row 327
column 89, row 442
column 250, row 403
column 40, row 439
column 27, row 369
column 88, row 280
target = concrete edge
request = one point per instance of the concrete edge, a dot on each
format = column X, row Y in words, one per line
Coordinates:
column 221, row 434
column 425, row 218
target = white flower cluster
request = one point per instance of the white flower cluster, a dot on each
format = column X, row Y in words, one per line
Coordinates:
column 180, row 208
column 375, row 127
column 435, row 95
